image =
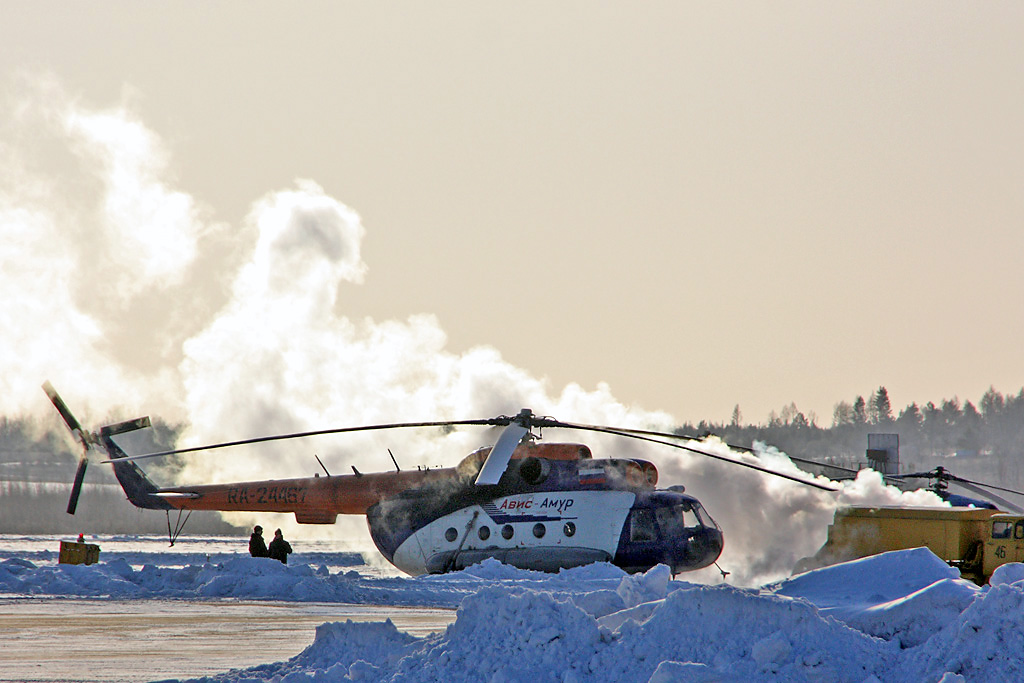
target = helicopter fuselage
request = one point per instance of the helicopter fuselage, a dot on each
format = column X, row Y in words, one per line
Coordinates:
column 547, row 514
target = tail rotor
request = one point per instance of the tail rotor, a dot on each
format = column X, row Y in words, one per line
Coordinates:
column 81, row 436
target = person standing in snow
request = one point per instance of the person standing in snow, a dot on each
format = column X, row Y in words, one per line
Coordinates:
column 257, row 547
column 279, row 548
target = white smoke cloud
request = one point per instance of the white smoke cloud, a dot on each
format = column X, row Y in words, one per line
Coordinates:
column 144, row 230
column 106, row 270
column 770, row 523
column 93, row 242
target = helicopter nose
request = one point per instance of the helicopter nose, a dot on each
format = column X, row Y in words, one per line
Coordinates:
column 703, row 548
column 716, row 542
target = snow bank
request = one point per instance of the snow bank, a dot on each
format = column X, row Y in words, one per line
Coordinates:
column 741, row 634
column 256, row 578
column 984, row 643
column 905, row 595
column 899, row 617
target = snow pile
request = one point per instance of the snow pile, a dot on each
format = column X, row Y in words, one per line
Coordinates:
column 347, row 649
column 984, row 643
column 743, row 635
column 898, row 617
column 257, row 578
column 911, row 596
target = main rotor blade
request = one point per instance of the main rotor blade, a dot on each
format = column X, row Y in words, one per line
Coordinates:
column 930, row 474
column 961, row 480
column 1006, row 505
column 631, row 435
column 651, row 432
column 524, row 421
column 688, row 437
column 319, row 432
column 501, row 453
column 942, row 474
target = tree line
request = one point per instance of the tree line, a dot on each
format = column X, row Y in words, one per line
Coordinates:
column 992, row 429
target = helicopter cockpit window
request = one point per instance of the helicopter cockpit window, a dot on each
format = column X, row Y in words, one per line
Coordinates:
column 641, row 525
column 673, row 520
column 703, row 518
column 1001, row 529
column 669, row 520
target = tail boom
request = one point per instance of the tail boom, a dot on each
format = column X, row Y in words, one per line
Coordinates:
column 313, row 500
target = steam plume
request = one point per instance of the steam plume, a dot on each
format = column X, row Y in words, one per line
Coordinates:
column 124, row 292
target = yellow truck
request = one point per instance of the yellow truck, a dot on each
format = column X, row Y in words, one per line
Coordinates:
column 974, row 540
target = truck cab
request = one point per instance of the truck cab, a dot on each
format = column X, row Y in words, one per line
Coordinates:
column 1004, row 541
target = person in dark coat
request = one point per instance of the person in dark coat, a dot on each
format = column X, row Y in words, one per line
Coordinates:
column 257, row 547
column 279, row 548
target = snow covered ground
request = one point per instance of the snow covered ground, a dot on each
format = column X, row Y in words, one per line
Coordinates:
column 902, row 616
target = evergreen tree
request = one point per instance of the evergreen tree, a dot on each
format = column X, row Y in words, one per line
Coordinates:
column 969, row 430
column 931, row 426
column 842, row 414
column 737, row 416
column 992, row 403
column 951, row 412
column 860, row 415
column 910, row 418
column 881, row 408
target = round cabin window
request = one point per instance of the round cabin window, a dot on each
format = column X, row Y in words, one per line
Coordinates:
column 539, row 530
column 451, row 534
column 507, row 532
column 484, row 533
column 569, row 529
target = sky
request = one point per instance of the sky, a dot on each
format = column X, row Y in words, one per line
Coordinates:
column 678, row 207
column 249, row 222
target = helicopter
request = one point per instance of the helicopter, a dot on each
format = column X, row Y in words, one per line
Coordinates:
column 940, row 478
column 530, row 504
